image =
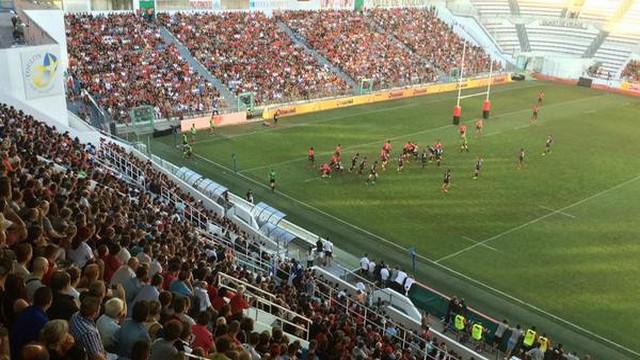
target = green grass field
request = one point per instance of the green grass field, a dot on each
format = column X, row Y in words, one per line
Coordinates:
column 558, row 238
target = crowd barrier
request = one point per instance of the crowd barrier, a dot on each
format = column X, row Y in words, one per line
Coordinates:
column 323, row 105
column 236, row 118
column 632, row 88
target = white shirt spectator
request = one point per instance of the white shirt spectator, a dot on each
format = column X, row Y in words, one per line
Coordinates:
column 384, row 274
column 364, row 263
column 123, row 256
column 327, row 246
column 81, row 255
column 107, row 327
column 155, row 268
column 407, row 284
column 360, row 286
column 122, row 275
column 143, row 258
column 402, row 276
column 372, row 267
column 203, row 296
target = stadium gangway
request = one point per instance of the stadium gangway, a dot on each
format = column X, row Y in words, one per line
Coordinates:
column 120, row 162
column 282, row 314
column 187, row 211
column 257, row 265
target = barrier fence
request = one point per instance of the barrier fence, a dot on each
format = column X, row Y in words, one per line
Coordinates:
column 394, row 94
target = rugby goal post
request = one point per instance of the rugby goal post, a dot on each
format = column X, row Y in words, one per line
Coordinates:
column 486, row 106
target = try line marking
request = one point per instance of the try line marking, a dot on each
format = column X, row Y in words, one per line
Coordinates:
column 559, row 212
column 311, row 123
column 424, row 131
column 444, row 267
column 553, row 212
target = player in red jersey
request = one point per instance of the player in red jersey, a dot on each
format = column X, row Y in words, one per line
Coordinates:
column 384, row 159
column 387, row 146
column 534, row 115
column 312, row 156
column 479, row 127
column 325, row 170
column 540, row 98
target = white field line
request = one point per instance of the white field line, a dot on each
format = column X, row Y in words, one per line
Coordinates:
column 444, row 267
column 561, row 210
column 405, row 136
column 484, row 245
column 346, row 116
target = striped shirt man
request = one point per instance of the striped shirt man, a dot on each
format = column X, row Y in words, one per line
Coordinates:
column 86, row 333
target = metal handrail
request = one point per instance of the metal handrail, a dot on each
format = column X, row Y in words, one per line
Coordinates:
column 270, row 304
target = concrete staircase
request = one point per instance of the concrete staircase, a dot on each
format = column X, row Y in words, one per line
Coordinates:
column 595, row 44
column 299, row 40
column 521, row 30
column 229, row 98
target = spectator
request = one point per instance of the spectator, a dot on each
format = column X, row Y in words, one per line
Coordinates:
column 56, row 338
column 133, row 329
column 64, row 305
column 164, row 348
column 108, row 323
column 28, row 324
column 202, row 336
column 84, row 330
column 34, row 280
column 631, row 72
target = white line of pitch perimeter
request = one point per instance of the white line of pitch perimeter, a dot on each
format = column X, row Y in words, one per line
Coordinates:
column 444, row 267
column 537, row 219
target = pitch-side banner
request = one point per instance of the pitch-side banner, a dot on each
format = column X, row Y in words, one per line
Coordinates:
column 41, row 72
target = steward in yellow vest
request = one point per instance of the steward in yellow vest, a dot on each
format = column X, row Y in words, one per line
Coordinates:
column 529, row 337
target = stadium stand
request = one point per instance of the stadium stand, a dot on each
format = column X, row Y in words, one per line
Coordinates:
column 348, row 40
column 248, row 53
column 84, row 234
column 122, row 60
column 632, row 71
column 431, row 38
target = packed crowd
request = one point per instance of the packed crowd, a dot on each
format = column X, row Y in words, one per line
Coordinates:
column 349, row 41
column 249, row 53
column 431, row 38
column 93, row 265
column 123, row 61
column 632, row 71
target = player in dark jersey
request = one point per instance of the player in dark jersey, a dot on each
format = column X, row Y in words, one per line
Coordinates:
column 438, row 155
column 424, row 157
column 312, row 156
column 534, row 114
column 476, row 170
column 446, row 180
column 547, row 145
column 272, row 180
column 540, row 97
column 464, row 144
column 400, row 162
column 432, row 153
column 521, row 158
column 362, row 166
column 373, row 173
column 187, row 151
column 354, row 162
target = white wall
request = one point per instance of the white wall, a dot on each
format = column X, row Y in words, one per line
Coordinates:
column 52, row 21
column 14, row 82
column 565, row 67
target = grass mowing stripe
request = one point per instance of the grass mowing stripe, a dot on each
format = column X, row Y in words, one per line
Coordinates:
column 559, row 211
column 444, row 267
column 307, row 123
column 424, row 131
